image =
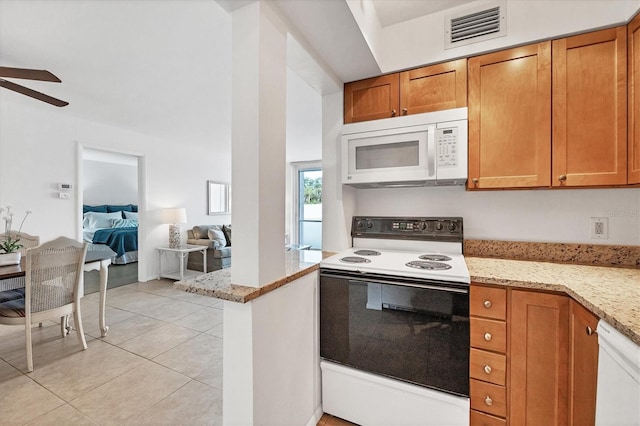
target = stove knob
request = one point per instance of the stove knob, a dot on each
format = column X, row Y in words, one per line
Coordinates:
column 422, row 226
column 452, row 227
column 359, row 224
column 369, row 225
column 439, row 226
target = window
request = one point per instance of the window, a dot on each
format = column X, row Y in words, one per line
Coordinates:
column 308, row 212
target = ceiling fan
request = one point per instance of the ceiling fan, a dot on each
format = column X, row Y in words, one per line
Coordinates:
column 29, row 74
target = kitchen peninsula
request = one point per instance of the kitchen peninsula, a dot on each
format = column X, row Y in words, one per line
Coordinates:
column 611, row 293
column 290, row 306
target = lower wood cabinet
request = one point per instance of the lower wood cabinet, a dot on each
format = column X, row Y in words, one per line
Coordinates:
column 539, row 335
column 487, row 357
column 539, row 364
column 583, row 366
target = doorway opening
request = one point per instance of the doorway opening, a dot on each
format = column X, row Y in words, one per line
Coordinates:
column 308, row 211
column 112, row 211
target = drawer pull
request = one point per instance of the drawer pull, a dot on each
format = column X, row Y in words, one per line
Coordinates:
column 487, row 369
column 488, row 400
column 487, row 304
column 487, row 337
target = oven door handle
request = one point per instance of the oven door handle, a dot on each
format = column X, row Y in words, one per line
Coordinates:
column 396, row 283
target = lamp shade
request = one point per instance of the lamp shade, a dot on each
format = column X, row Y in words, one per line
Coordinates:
column 174, row 215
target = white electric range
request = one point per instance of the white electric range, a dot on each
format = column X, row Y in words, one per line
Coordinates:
column 394, row 323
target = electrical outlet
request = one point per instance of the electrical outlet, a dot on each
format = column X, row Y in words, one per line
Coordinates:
column 599, row 228
column 64, row 195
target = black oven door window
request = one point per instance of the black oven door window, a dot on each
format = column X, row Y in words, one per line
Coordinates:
column 418, row 335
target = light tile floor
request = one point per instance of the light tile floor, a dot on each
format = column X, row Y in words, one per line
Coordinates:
column 160, row 363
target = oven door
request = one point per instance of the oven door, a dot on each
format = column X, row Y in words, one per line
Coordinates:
column 392, row 155
column 412, row 330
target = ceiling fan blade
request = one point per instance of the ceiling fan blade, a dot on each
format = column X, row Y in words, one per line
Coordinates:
column 28, row 74
column 32, row 93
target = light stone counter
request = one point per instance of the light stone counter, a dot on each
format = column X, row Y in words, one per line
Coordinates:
column 612, row 294
column 218, row 283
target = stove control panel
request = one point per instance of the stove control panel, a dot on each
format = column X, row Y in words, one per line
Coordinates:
column 414, row 228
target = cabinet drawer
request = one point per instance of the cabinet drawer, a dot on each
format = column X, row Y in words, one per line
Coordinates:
column 488, row 334
column 488, row 398
column 488, row 302
column 477, row 418
column 487, row 366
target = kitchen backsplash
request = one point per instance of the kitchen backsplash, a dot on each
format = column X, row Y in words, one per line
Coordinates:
column 585, row 254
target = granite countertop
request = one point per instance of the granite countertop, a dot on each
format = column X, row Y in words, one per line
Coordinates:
column 612, row 294
column 218, row 283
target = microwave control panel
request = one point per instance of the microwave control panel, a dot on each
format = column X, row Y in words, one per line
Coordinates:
column 447, row 147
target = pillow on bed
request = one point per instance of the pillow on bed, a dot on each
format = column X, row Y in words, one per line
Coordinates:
column 101, row 209
column 94, row 220
column 216, row 235
column 119, row 208
column 124, row 223
column 130, row 215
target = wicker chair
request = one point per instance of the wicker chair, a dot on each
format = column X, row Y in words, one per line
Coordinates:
column 53, row 275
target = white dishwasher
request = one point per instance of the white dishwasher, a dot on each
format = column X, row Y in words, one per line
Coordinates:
column 618, row 394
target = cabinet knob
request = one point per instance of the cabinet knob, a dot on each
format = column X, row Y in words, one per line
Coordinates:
column 487, row 304
column 487, row 369
column 404, row 111
column 589, row 331
column 487, row 337
column 562, row 178
column 475, row 181
column 393, row 112
column 488, row 400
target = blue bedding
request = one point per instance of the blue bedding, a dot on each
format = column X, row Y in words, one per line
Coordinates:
column 120, row 240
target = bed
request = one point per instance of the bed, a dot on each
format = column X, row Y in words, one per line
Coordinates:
column 115, row 226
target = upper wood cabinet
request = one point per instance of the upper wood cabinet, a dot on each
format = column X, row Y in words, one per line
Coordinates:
column 633, row 57
column 510, row 118
column 539, row 342
column 590, row 109
column 371, row 99
column 431, row 88
column 434, row 88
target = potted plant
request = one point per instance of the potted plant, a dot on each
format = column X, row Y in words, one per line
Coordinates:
column 10, row 243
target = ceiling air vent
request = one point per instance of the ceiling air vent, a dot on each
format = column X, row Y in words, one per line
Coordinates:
column 472, row 26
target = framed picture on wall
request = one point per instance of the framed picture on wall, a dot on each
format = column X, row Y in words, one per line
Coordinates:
column 219, row 197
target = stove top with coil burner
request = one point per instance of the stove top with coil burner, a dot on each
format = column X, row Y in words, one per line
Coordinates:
column 417, row 247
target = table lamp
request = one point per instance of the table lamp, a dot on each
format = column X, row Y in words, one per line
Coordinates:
column 174, row 217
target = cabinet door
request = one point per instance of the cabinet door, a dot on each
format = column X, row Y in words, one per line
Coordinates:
column 539, row 349
column 510, row 118
column 583, row 366
column 634, row 100
column 371, row 99
column 590, row 109
column 434, row 88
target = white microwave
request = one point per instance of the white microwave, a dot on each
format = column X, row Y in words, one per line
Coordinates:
column 414, row 150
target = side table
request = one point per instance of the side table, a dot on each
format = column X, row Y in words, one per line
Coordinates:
column 182, row 252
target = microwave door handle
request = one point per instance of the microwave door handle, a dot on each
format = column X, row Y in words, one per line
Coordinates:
column 431, row 151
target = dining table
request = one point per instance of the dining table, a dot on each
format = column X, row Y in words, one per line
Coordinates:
column 98, row 258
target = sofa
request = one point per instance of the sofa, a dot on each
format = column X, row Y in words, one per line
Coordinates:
column 218, row 240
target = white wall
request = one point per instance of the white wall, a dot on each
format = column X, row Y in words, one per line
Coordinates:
column 304, row 136
column 525, row 215
column 109, row 183
column 38, row 150
column 421, row 40
column 271, row 372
